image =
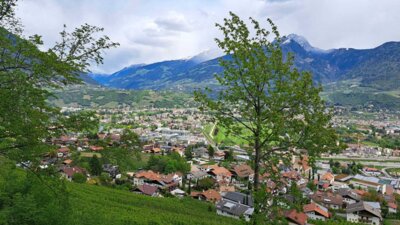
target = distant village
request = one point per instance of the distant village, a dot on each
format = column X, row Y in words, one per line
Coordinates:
column 350, row 190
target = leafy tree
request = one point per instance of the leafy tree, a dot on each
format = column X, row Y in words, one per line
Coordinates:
column 210, row 151
column 79, row 178
column 265, row 97
column 95, row 166
column 130, row 140
column 83, row 121
column 168, row 164
column 205, row 183
column 189, row 152
column 27, row 77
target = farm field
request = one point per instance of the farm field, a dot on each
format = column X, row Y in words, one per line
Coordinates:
column 101, row 205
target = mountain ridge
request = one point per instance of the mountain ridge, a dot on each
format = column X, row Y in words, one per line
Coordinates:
column 377, row 67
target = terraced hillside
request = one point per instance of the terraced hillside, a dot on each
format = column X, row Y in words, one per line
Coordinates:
column 100, row 205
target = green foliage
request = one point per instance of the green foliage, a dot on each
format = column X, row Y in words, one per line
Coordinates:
column 210, row 151
column 205, row 184
column 92, row 204
column 126, row 159
column 79, row 178
column 83, row 121
column 168, row 164
column 28, row 198
column 265, row 97
column 189, row 152
column 95, row 166
column 130, row 140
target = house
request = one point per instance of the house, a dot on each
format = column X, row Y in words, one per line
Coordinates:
column 371, row 171
column 327, row 199
column 63, row 152
column 243, row 171
column 235, row 205
column 68, row 172
column 178, row 193
column 169, row 181
column 392, row 207
column 219, row 155
column 197, row 175
column 220, row 173
column 328, row 177
column 349, row 196
column 343, row 177
column 362, row 212
column 147, row 189
column 295, row 218
column 210, row 195
column 226, row 188
column 368, row 184
column 316, row 212
column 291, row 176
column 301, row 165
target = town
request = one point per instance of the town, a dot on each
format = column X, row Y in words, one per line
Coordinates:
column 170, row 153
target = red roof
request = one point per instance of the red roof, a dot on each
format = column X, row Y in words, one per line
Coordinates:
column 312, row 207
column 148, row 189
column 296, row 217
column 70, row 171
column 392, row 205
column 63, row 150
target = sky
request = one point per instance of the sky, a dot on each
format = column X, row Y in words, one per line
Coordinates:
column 155, row 30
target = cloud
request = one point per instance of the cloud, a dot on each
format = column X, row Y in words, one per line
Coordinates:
column 150, row 30
column 173, row 22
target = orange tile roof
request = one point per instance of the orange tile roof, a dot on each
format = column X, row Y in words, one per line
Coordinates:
column 297, row 217
column 221, row 171
column 312, row 207
column 243, row 170
column 328, row 176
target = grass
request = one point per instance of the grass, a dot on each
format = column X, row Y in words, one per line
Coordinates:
column 222, row 136
column 100, row 205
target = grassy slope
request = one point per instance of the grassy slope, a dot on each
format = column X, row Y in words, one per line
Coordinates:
column 100, row 205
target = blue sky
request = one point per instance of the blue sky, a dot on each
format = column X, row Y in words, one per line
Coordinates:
column 155, row 30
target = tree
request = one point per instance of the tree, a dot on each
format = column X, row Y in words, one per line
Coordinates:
column 130, row 140
column 79, row 178
column 210, row 151
column 27, row 77
column 83, row 121
column 189, row 152
column 95, row 166
column 266, row 101
column 205, row 184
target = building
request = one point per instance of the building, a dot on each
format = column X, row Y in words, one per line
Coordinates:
column 316, row 212
column 349, row 196
column 362, row 212
column 295, row 218
column 236, row 205
column 327, row 199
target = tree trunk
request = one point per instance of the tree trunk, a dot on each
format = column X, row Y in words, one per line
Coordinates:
column 257, row 164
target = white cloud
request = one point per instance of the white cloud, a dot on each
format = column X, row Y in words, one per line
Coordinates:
column 151, row 30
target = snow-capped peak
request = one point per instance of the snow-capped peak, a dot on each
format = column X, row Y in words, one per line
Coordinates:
column 302, row 42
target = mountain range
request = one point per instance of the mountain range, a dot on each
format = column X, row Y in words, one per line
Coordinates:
column 369, row 71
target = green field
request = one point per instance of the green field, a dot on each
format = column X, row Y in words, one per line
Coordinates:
column 221, row 137
column 100, row 205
